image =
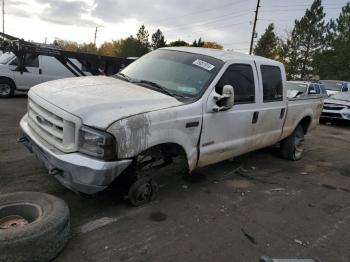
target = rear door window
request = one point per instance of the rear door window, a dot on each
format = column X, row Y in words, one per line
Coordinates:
column 272, row 83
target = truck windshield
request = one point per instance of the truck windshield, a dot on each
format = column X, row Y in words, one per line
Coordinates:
column 5, row 58
column 182, row 73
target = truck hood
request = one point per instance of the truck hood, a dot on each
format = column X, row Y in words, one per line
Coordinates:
column 99, row 101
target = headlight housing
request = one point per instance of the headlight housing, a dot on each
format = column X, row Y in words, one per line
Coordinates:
column 97, row 143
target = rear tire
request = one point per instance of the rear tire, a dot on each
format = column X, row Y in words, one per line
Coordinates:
column 7, row 88
column 292, row 147
column 33, row 226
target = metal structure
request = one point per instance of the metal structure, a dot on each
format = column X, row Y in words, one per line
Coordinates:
column 92, row 63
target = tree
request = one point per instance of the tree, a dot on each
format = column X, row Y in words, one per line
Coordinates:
column 107, row 48
column 88, row 48
column 158, row 40
column 306, row 42
column 178, row 43
column 212, row 45
column 334, row 61
column 267, row 45
column 142, row 36
column 66, row 45
column 131, row 46
column 198, row 43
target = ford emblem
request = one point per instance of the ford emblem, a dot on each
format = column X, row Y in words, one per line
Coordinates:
column 39, row 119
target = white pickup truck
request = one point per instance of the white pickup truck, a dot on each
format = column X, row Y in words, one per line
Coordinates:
column 202, row 104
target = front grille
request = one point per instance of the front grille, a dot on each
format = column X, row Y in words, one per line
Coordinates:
column 52, row 128
column 331, row 115
column 333, row 107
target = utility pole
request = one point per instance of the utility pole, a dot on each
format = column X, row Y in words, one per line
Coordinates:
column 3, row 17
column 95, row 36
column 254, row 26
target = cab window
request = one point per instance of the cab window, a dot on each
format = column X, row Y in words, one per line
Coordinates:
column 241, row 78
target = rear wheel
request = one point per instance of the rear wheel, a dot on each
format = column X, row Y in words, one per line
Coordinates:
column 7, row 88
column 292, row 147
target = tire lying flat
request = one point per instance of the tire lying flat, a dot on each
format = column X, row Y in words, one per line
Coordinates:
column 33, row 227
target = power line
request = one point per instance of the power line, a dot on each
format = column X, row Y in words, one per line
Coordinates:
column 217, row 19
column 198, row 12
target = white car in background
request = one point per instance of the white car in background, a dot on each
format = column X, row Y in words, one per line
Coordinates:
column 337, row 107
column 39, row 69
column 304, row 89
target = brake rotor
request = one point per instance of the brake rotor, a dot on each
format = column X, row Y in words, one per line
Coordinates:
column 13, row 221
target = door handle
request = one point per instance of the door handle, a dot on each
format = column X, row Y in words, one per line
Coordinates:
column 40, row 71
column 255, row 117
column 283, row 111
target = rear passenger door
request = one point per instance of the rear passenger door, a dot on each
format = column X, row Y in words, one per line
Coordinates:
column 272, row 105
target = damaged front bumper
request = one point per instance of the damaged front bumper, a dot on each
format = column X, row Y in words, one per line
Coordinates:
column 75, row 171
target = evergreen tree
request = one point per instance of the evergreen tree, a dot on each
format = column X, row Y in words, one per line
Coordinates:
column 334, row 61
column 199, row 43
column 267, row 45
column 142, row 36
column 178, row 43
column 158, row 40
column 306, row 42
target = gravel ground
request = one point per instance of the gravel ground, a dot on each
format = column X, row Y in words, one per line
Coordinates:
column 276, row 207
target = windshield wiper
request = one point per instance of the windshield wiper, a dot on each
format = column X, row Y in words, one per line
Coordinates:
column 124, row 76
column 159, row 87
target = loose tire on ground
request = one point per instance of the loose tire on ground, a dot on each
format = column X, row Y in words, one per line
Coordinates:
column 7, row 89
column 292, row 147
column 33, row 227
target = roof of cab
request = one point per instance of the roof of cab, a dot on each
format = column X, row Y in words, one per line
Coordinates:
column 220, row 54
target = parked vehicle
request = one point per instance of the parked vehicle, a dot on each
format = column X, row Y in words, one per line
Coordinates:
column 337, row 107
column 304, row 89
column 39, row 69
column 202, row 104
column 335, row 86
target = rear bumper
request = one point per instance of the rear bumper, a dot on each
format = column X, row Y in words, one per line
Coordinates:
column 75, row 171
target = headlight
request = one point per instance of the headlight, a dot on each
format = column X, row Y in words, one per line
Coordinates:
column 97, row 143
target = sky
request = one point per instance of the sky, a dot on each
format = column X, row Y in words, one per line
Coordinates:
column 228, row 22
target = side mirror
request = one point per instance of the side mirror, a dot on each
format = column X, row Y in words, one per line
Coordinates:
column 226, row 100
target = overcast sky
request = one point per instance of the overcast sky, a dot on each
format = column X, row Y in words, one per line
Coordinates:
column 228, row 22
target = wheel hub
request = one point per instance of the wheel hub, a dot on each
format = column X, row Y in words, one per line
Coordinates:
column 4, row 89
column 13, row 221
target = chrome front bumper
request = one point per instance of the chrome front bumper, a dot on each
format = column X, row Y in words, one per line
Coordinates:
column 75, row 171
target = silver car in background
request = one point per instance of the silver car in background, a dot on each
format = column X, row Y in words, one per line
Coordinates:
column 337, row 107
column 304, row 89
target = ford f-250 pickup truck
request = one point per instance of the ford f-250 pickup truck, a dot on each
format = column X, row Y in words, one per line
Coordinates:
column 202, row 104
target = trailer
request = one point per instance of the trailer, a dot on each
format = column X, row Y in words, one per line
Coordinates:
column 93, row 63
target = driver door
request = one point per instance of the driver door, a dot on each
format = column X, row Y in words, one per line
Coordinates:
column 230, row 133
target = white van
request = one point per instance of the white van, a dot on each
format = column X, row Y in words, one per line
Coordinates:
column 39, row 69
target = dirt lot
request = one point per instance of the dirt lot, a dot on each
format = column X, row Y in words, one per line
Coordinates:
column 278, row 208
